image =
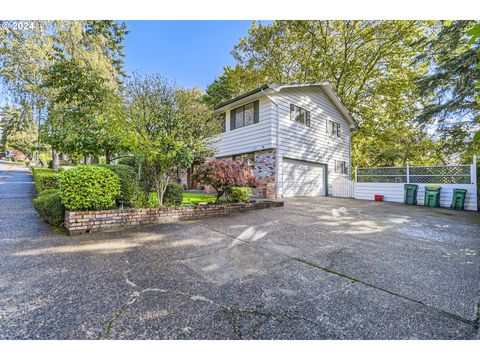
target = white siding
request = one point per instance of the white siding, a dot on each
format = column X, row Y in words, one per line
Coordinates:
column 393, row 192
column 249, row 138
column 313, row 143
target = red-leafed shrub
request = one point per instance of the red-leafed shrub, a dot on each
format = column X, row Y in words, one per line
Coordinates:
column 222, row 175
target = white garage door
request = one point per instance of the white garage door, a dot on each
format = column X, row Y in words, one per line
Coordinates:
column 301, row 178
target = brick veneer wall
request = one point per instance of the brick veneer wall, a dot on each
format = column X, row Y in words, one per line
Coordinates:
column 78, row 222
column 264, row 170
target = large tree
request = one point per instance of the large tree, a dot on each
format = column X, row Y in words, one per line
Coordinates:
column 450, row 85
column 19, row 131
column 370, row 64
column 28, row 60
column 164, row 126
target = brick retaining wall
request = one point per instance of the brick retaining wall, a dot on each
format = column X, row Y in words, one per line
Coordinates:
column 79, row 222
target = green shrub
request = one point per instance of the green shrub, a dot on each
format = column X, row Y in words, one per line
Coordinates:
column 240, row 194
column 45, row 158
column 131, row 195
column 128, row 161
column 44, row 179
column 89, row 188
column 173, row 195
column 50, row 207
column 152, row 201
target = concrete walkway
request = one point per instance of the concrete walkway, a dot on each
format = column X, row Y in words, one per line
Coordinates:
column 320, row 268
column 18, row 218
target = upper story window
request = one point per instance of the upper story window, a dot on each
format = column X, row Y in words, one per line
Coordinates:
column 299, row 114
column 340, row 167
column 244, row 115
column 333, row 128
column 221, row 119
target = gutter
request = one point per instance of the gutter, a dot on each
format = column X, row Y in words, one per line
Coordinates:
column 277, row 151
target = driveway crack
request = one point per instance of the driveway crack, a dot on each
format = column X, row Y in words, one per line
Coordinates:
column 475, row 323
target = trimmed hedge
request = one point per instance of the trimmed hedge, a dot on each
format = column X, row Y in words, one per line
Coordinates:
column 50, row 207
column 45, row 179
column 89, row 188
column 240, row 194
column 131, row 195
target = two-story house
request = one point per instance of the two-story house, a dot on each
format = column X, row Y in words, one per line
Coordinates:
column 295, row 137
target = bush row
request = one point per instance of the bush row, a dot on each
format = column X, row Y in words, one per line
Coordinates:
column 98, row 187
column 50, row 206
column 44, row 178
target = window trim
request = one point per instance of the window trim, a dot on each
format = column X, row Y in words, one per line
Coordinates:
column 308, row 116
column 344, row 167
column 337, row 126
column 256, row 115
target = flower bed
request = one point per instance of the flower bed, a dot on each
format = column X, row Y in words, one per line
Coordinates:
column 80, row 222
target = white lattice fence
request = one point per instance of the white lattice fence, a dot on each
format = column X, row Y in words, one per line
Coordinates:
column 453, row 174
column 389, row 181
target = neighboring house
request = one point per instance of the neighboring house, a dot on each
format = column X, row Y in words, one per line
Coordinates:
column 295, row 137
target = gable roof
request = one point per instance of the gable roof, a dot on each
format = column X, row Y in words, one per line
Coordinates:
column 278, row 87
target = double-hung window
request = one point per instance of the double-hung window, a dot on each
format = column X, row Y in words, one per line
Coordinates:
column 299, row 114
column 244, row 115
column 333, row 128
column 340, row 167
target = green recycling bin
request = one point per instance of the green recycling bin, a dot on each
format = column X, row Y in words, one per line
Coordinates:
column 458, row 200
column 432, row 196
column 410, row 194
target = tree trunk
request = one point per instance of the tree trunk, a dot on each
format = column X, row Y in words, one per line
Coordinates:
column 219, row 195
column 108, row 156
column 55, row 160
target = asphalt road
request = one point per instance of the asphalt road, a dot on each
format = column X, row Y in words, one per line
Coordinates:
column 319, row 268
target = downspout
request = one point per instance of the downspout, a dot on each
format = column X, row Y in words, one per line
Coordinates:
column 277, row 151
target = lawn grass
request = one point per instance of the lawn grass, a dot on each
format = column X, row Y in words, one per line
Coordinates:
column 195, row 198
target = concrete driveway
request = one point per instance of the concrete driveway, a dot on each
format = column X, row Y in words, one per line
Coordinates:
column 319, row 268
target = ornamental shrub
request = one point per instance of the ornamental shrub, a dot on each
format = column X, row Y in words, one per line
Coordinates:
column 50, row 207
column 222, row 175
column 173, row 195
column 152, row 201
column 240, row 194
column 89, row 188
column 44, row 178
column 131, row 195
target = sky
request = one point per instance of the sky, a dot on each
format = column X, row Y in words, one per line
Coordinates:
column 192, row 53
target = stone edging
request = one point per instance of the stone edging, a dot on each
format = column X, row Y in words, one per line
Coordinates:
column 81, row 222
